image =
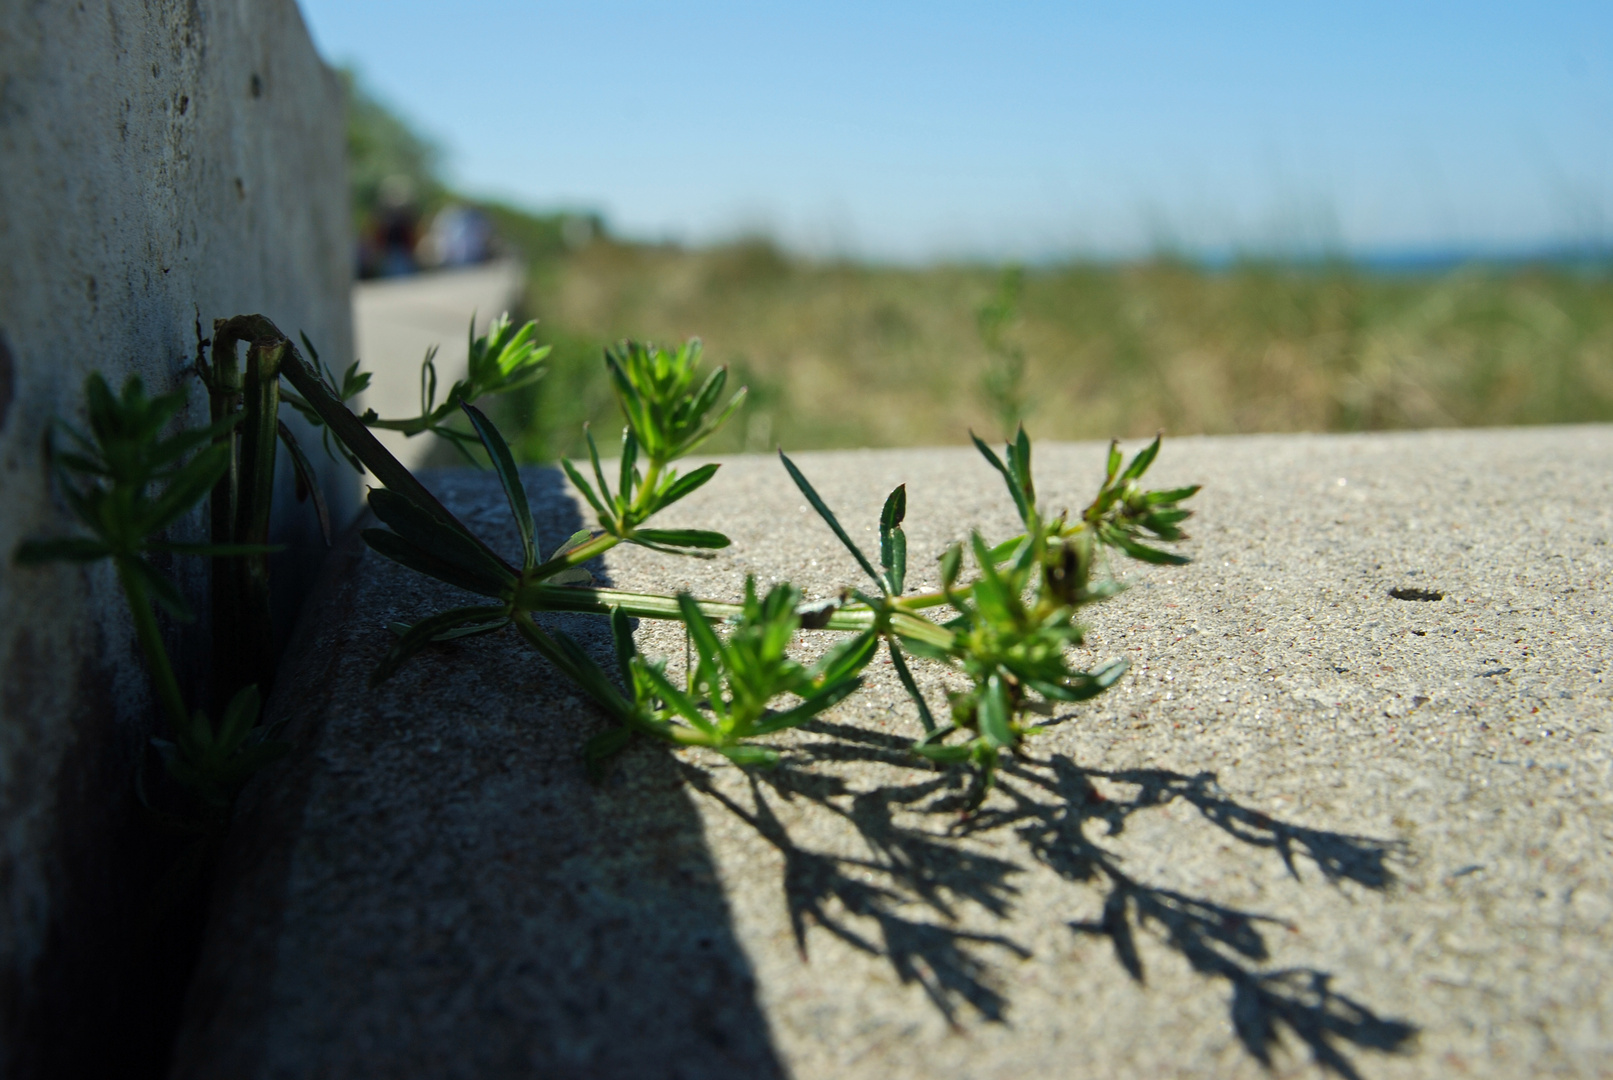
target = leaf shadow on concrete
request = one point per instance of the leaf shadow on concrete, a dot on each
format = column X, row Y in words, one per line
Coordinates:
column 1050, row 806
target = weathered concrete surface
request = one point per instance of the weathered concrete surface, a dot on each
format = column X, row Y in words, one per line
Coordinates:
column 160, row 164
column 1310, row 809
column 395, row 320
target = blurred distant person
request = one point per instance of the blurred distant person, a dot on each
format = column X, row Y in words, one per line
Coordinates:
column 459, row 236
column 397, row 228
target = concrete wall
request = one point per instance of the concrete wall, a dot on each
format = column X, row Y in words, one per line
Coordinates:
column 160, row 162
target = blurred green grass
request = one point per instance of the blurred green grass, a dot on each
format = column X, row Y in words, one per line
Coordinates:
column 841, row 354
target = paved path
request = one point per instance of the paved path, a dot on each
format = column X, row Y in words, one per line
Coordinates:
column 395, row 320
column 1314, row 822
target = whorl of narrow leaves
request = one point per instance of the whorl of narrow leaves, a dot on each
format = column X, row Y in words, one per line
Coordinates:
column 127, row 483
column 657, row 394
column 668, row 416
column 736, row 677
column 1016, row 621
column 1013, row 621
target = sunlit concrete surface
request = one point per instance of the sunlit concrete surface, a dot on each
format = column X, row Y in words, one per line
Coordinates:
column 395, row 320
column 1314, row 823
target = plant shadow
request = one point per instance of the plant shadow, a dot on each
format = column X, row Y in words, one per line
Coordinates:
column 1051, row 807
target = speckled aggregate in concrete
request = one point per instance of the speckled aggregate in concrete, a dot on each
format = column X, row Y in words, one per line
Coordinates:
column 1314, row 823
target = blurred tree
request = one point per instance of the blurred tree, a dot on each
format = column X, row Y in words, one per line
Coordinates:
column 385, row 153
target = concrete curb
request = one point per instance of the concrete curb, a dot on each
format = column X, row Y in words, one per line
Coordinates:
column 1315, row 822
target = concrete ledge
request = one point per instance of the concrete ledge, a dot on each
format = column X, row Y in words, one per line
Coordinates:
column 1376, row 830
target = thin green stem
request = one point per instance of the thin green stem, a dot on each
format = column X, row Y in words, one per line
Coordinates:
column 647, row 488
column 416, row 426
column 245, row 643
column 150, row 638
column 541, row 597
column 575, row 557
column 919, row 601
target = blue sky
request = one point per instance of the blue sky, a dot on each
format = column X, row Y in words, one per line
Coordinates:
column 912, row 131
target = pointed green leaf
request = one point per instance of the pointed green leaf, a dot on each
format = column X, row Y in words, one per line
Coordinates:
column 307, row 479
column 828, row 516
column 1019, row 462
column 951, row 564
column 575, row 575
column 709, row 392
column 1171, row 495
column 705, row 639
column 892, row 542
column 1089, row 684
column 399, row 550
column 680, row 702
column 438, row 538
column 587, row 490
column 510, row 477
column 908, row 684
column 693, row 538
column 895, row 509
column 591, row 677
column 709, row 426
column 683, row 485
column 1008, row 478
column 897, row 550
column 423, row 633
column 239, row 717
column 1144, row 553
column 188, row 487
column 67, row 549
column 1005, row 550
column 993, row 713
column 598, row 750
column 621, row 630
column 627, row 474
column 1139, row 464
column 845, row 658
column 313, row 353
column 808, row 708
column 599, row 474
column 944, row 754
column 756, row 757
column 459, row 632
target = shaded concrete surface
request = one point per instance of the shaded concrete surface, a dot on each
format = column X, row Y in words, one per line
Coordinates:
column 432, row 888
column 395, row 320
column 1314, row 825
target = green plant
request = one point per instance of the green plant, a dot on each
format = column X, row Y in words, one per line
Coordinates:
column 128, row 484
column 1003, row 382
column 667, row 418
column 1014, row 623
column 732, row 687
column 504, row 359
column 1010, row 631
